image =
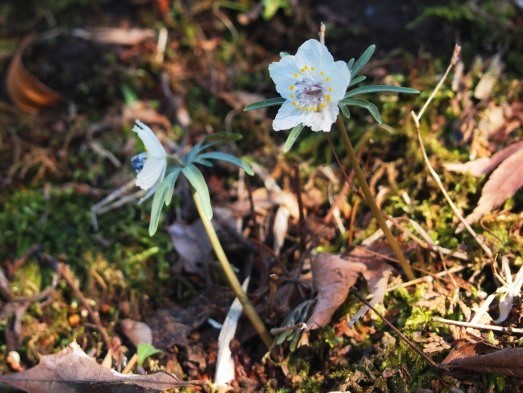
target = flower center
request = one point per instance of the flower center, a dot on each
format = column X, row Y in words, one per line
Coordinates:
column 138, row 161
column 311, row 90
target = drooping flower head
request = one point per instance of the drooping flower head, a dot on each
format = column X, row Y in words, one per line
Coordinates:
column 312, row 84
column 151, row 165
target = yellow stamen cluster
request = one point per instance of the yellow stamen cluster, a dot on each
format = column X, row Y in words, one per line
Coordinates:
column 308, row 92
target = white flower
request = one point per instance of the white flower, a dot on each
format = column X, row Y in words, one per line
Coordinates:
column 152, row 164
column 312, row 84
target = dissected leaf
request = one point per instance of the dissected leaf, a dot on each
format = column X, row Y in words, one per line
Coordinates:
column 507, row 361
column 501, row 185
column 195, row 177
column 484, row 165
column 72, row 370
column 373, row 110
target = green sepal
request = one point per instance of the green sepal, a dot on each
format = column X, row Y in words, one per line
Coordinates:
column 163, row 195
column 197, row 181
column 216, row 155
column 265, row 103
column 364, row 59
column 293, row 136
column 373, row 110
column 357, row 80
column 379, row 89
column 344, row 111
column 144, row 350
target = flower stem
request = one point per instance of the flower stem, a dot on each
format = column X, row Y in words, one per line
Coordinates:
column 231, row 276
column 371, row 202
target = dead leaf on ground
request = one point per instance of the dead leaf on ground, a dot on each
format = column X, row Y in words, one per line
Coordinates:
column 192, row 245
column 484, row 165
column 27, row 92
column 502, row 184
column 114, row 35
column 508, row 361
column 136, row 331
column 72, row 370
column 334, row 276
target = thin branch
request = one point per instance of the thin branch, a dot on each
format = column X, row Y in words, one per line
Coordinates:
column 417, row 118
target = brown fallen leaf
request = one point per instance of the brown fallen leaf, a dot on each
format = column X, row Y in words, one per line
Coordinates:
column 502, row 184
column 334, row 276
column 72, row 370
column 114, row 35
column 508, row 361
column 27, row 92
column 192, row 245
column 484, row 165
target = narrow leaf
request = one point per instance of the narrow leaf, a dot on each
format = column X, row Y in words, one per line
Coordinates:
column 162, row 195
column 373, row 110
column 364, row 59
column 197, row 181
column 293, row 136
column 350, row 64
column 379, row 89
column 357, row 80
column 216, row 155
column 344, row 111
column 199, row 147
column 265, row 103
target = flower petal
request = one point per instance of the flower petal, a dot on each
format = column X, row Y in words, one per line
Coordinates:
column 322, row 120
column 341, row 78
column 312, row 52
column 152, row 144
column 152, row 173
column 282, row 73
column 287, row 117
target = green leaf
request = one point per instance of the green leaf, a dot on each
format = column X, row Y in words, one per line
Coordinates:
column 197, row 181
column 350, row 64
column 344, row 111
column 216, row 155
column 224, row 137
column 199, row 147
column 373, row 110
column 379, row 89
column 145, row 350
column 293, row 136
column 364, row 59
column 163, row 195
column 265, row 103
column 357, row 80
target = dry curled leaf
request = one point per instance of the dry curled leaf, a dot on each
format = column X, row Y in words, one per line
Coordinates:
column 27, row 92
column 484, row 165
column 507, row 361
column 114, row 35
column 334, row 276
column 502, row 184
column 72, row 370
